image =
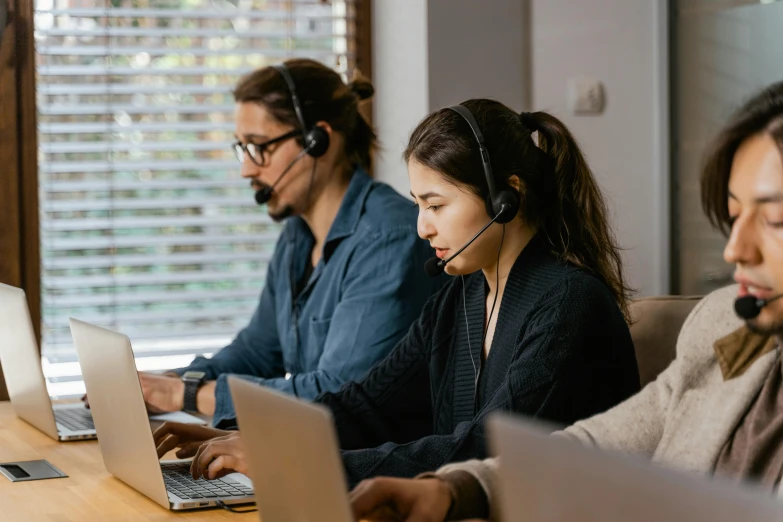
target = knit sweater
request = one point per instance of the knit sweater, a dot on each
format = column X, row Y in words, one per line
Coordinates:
column 561, row 352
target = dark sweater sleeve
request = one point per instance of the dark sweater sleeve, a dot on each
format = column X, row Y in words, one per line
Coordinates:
column 393, row 402
column 565, row 369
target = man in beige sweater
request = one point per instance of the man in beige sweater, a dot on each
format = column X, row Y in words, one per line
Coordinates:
column 714, row 410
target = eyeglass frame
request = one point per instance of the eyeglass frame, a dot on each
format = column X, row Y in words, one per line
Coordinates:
column 241, row 150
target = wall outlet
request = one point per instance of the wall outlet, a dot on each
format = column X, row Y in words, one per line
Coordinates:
column 586, row 95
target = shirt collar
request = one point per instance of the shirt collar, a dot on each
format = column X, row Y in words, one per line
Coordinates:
column 351, row 210
column 740, row 349
column 348, row 215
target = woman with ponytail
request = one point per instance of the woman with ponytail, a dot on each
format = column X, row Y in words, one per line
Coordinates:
column 533, row 320
column 344, row 282
column 715, row 411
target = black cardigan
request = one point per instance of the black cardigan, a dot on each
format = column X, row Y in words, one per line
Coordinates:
column 561, row 352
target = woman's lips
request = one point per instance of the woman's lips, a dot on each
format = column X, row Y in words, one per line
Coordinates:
column 441, row 252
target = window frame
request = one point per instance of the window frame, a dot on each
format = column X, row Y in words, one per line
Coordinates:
column 19, row 238
column 19, row 226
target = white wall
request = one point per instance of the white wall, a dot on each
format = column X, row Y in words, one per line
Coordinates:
column 476, row 51
column 432, row 53
column 624, row 44
column 428, row 54
column 401, row 80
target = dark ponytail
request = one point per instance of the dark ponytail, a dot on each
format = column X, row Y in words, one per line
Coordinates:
column 559, row 194
column 580, row 230
column 324, row 97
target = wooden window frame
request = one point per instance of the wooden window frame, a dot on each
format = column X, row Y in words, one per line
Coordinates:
column 19, row 226
column 364, row 53
column 19, row 238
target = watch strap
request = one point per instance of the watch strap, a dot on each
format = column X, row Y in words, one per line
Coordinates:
column 191, row 391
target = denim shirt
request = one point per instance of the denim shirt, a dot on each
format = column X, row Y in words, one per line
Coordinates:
column 360, row 300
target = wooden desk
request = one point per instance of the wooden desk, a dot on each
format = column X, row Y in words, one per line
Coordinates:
column 89, row 493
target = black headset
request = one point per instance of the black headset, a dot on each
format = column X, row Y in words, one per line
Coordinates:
column 316, row 139
column 502, row 204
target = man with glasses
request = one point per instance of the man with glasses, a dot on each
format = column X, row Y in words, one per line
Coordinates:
column 346, row 279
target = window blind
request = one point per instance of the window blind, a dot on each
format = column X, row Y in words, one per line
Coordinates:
column 146, row 226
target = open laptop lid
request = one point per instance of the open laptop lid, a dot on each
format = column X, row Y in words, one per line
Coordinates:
column 21, row 362
column 118, row 409
column 293, row 455
column 552, row 479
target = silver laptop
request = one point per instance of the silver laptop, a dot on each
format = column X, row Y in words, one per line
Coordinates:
column 550, row 479
column 295, row 465
column 124, row 432
column 21, row 363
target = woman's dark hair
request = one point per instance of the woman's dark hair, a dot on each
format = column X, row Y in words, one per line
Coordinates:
column 762, row 113
column 558, row 192
column 324, row 97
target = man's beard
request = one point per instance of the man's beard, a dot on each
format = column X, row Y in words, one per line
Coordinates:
column 283, row 214
column 776, row 328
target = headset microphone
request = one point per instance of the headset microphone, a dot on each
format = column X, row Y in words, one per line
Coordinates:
column 265, row 194
column 435, row 267
column 749, row 306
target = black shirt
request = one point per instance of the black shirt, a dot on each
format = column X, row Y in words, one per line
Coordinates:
column 561, row 352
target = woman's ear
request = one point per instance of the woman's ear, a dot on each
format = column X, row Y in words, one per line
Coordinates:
column 325, row 126
column 515, row 183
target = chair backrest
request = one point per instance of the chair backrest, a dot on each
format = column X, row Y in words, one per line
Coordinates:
column 657, row 322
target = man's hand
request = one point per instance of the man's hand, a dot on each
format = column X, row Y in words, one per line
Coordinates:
column 162, row 393
column 187, row 437
column 205, row 398
column 220, row 456
column 165, row 393
column 391, row 500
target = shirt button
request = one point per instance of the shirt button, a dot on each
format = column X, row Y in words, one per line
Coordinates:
column 287, row 376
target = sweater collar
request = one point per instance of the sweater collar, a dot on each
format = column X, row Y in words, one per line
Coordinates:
column 527, row 277
column 738, row 351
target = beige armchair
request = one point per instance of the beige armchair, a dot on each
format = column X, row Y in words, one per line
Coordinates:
column 657, row 323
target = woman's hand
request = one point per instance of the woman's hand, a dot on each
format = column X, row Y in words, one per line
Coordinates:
column 220, row 456
column 187, row 437
column 392, row 500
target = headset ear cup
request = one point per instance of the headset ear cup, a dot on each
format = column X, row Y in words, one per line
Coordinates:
column 317, row 139
column 490, row 205
column 511, row 202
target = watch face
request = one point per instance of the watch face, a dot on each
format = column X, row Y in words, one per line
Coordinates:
column 193, row 376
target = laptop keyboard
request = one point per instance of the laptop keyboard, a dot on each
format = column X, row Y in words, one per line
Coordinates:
column 76, row 419
column 179, row 481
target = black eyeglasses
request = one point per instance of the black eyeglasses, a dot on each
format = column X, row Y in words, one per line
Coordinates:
column 257, row 151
